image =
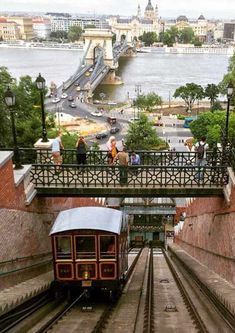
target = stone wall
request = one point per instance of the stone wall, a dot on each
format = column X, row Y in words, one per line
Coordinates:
column 24, row 228
column 208, row 234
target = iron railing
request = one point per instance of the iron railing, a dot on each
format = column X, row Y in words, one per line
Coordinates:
column 145, row 176
column 157, row 158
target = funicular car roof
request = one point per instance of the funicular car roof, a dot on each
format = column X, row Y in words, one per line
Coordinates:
column 95, row 218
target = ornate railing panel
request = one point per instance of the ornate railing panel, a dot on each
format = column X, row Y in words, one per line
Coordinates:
column 40, row 156
column 103, row 176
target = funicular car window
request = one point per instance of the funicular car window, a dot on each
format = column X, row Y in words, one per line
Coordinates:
column 63, row 247
column 107, row 247
column 85, row 247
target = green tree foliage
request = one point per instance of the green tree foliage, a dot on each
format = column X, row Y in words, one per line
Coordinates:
column 186, row 35
column 169, row 37
column 209, row 124
column 211, row 92
column 196, row 42
column 141, row 135
column 148, row 102
column 189, row 93
column 59, row 35
column 74, row 33
column 229, row 77
column 27, row 111
column 114, row 38
column 148, row 38
column 5, row 128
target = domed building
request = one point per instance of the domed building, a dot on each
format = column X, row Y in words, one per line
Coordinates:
column 135, row 26
column 182, row 22
column 149, row 12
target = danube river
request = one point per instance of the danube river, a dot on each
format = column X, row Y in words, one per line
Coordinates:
column 161, row 73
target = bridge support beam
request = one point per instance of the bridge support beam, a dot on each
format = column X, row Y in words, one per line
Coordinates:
column 111, row 78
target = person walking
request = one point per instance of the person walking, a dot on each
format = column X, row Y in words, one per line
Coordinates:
column 135, row 160
column 56, row 149
column 81, row 146
column 123, row 159
column 112, row 149
column 201, row 147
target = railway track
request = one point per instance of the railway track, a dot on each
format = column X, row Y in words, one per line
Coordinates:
column 159, row 296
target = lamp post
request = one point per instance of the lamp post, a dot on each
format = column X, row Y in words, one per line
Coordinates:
column 9, row 99
column 138, row 92
column 229, row 95
column 40, row 82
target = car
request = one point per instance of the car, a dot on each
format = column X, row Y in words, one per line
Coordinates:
column 111, row 120
column 158, row 123
column 78, row 88
column 101, row 136
column 114, row 130
column 91, row 70
column 70, row 98
column 132, row 120
column 64, row 95
column 72, row 105
column 87, row 74
column 96, row 114
column 56, row 100
column 77, row 84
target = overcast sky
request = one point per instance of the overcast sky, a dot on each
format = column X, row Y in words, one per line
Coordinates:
column 224, row 9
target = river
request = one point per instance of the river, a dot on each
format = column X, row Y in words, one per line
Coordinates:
column 161, row 73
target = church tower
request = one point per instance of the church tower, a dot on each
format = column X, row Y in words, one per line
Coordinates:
column 149, row 11
column 139, row 12
column 156, row 12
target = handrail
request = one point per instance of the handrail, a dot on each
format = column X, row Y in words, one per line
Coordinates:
column 26, row 267
column 25, row 258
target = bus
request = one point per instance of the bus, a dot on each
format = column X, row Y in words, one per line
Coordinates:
column 187, row 122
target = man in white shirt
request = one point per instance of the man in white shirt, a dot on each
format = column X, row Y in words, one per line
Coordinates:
column 56, row 146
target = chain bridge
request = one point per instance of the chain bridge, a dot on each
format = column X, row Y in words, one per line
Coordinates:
column 164, row 174
column 100, row 60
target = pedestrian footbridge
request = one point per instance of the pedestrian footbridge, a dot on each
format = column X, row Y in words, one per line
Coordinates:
column 161, row 174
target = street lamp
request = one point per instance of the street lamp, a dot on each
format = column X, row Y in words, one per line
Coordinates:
column 40, row 82
column 229, row 95
column 138, row 92
column 9, row 99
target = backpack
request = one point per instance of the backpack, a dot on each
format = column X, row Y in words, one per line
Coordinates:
column 200, row 151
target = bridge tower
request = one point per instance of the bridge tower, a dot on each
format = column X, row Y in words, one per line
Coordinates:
column 99, row 39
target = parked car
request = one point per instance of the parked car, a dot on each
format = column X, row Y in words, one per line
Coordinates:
column 76, row 84
column 72, row 105
column 101, row 136
column 78, row 88
column 114, row 130
column 71, row 99
column 56, row 100
column 64, row 95
column 96, row 114
column 87, row 73
column 132, row 120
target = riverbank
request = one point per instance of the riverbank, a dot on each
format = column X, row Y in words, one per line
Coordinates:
column 42, row 46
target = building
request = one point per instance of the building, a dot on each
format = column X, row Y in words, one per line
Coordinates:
column 229, row 31
column 135, row 26
column 61, row 23
column 41, row 27
column 25, row 25
column 9, row 30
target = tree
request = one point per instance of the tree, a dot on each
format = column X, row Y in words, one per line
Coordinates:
column 189, row 93
column 28, row 118
column 148, row 102
column 186, row 35
column 211, row 124
column 229, row 77
column 148, row 38
column 141, row 135
column 59, row 35
column 211, row 92
column 170, row 36
column 74, row 33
